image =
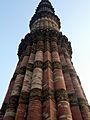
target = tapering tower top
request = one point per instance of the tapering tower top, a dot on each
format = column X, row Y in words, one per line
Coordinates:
column 44, row 17
column 45, row 5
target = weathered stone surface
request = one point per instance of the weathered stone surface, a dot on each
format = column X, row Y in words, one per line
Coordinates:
column 45, row 85
column 47, row 56
column 61, row 95
column 21, row 112
column 48, row 79
column 68, row 82
column 27, row 81
column 47, row 64
column 37, row 78
column 31, row 58
column 39, row 56
column 11, row 109
column 73, row 99
column 48, row 94
column 38, row 64
column 30, row 67
column 55, row 56
column 17, row 85
column 33, row 50
column 77, row 87
column 59, row 79
column 35, row 92
column 22, row 70
column 40, row 46
column 54, row 46
column 76, row 114
column 24, row 98
column 64, row 110
column 47, row 46
column 84, row 108
column 65, row 68
column 56, row 65
column 35, row 110
column 24, row 61
column 49, row 110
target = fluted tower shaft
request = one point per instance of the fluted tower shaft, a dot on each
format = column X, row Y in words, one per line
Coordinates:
column 45, row 85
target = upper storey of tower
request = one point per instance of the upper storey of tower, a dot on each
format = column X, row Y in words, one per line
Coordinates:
column 44, row 17
column 45, row 5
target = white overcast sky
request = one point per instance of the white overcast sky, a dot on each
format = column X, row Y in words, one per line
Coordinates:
column 14, row 24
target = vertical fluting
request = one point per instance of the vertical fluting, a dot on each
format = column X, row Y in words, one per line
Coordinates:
column 83, row 105
column 45, row 85
column 6, row 100
column 21, row 113
column 63, row 106
column 35, row 102
column 80, row 97
column 76, row 114
column 49, row 107
column 15, row 94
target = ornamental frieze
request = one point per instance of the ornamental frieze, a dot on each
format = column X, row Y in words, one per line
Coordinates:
column 22, row 70
column 35, row 92
column 38, row 64
column 30, row 67
column 48, row 94
column 73, row 99
column 24, row 98
column 56, row 65
column 61, row 95
column 47, row 64
column 44, row 23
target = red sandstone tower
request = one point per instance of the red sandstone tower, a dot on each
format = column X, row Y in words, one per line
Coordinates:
column 45, row 85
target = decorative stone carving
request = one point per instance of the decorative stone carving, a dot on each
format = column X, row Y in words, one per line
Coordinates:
column 13, row 101
column 66, row 47
column 82, row 103
column 33, row 50
column 61, row 95
column 24, row 98
column 35, row 92
column 47, row 64
column 47, row 56
column 40, row 46
column 27, row 82
column 30, row 67
column 56, row 65
column 31, row 58
column 24, row 61
column 65, row 69
column 47, row 46
column 37, row 79
column 39, row 56
column 73, row 99
column 45, row 81
column 22, row 70
column 54, row 47
column 44, row 23
column 53, row 21
column 55, row 57
column 48, row 94
column 38, row 64
column 17, row 85
column 27, row 41
column 26, row 52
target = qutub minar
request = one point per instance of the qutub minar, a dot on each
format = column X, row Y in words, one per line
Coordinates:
column 45, row 85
